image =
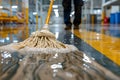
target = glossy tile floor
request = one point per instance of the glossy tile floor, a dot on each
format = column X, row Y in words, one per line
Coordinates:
column 99, row 44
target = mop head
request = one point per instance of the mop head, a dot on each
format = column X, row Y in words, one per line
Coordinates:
column 41, row 39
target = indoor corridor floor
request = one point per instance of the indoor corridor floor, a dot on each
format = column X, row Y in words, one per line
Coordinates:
column 99, row 44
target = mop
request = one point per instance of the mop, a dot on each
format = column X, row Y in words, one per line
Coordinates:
column 43, row 38
column 41, row 41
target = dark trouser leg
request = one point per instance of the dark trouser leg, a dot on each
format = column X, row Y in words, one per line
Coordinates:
column 67, row 10
column 78, row 11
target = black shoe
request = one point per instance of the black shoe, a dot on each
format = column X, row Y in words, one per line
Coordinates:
column 76, row 26
column 68, row 26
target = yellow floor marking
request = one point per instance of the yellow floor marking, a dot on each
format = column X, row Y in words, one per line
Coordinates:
column 107, row 45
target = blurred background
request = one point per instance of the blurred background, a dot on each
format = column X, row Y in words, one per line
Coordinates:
column 16, row 11
column 34, row 11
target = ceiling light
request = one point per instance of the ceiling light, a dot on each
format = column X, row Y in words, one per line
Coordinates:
column 1, row 6
column 14, row 6
column 56, row 10
column 34, row 13
column 55, row 6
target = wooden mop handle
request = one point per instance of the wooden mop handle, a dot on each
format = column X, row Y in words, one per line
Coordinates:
column 49, row 12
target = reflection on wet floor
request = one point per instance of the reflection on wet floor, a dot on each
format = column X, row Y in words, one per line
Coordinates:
column 13, row 33
column 70, row 66
column 112, row 30
column 17, row 33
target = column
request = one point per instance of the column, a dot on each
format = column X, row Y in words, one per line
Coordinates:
column 10, row 2
column 26, row 8
column 103, row 12
column 37, row 11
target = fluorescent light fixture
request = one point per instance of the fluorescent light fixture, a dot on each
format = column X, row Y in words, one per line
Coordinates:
column 55, row 6
column 15, row 41
column 56, row 10
column 14, row 6
column 1, row 6
column 34, row 13
column 2, row 40
column 99, row 11
column 7, row 38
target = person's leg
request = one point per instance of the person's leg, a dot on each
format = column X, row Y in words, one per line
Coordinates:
column 78, row 11
column 67, row 10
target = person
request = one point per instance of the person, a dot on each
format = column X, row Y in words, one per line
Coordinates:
column 67, row 10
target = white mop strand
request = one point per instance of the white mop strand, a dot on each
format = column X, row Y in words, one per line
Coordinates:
column 29, row 50
column 34, row 50
column 43, row 32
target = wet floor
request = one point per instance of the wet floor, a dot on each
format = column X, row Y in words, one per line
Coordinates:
column 86, row 63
